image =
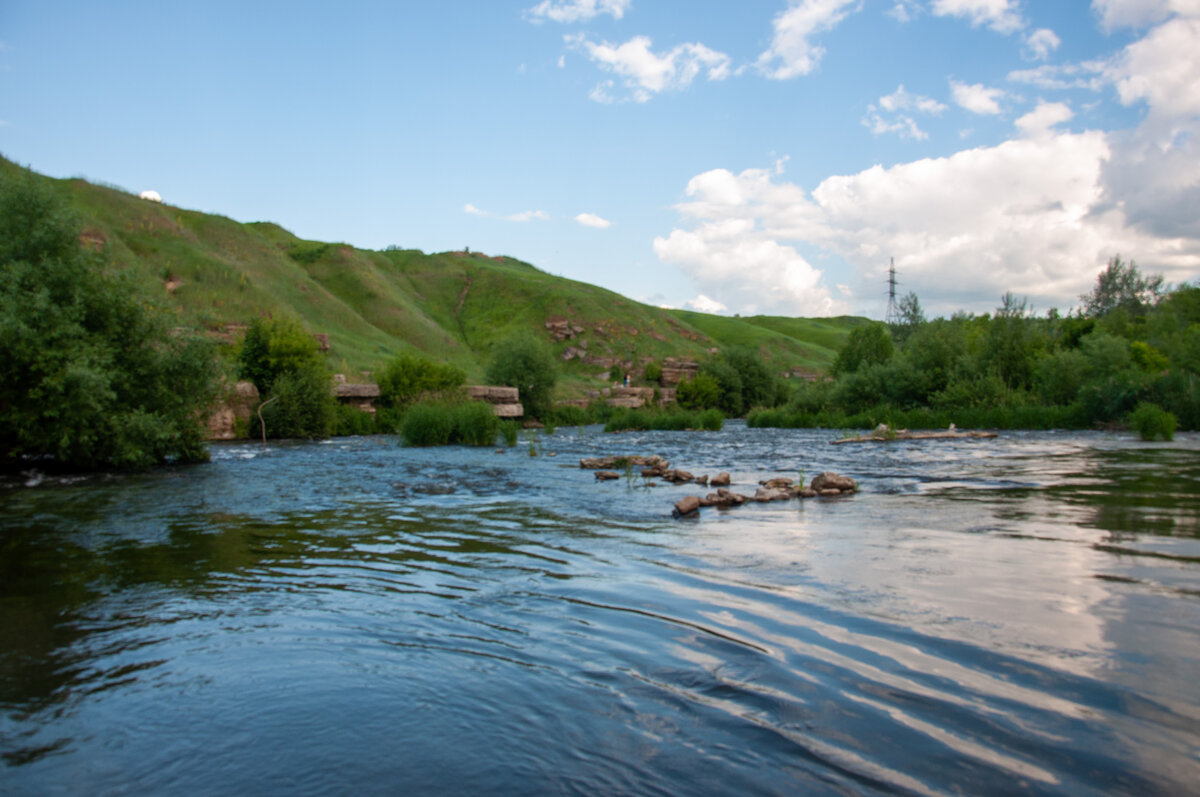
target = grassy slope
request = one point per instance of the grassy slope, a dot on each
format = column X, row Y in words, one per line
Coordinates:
column 451, row 306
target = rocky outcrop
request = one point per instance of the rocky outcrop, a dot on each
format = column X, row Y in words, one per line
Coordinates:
column 631, row 397
column 361, row 396
column 231, row 417
column 505, row 401
column 675, row 371
column 652, row 461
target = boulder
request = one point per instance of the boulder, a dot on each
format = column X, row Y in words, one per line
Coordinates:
column 764, row 494
column 686, row 506
column 720, row 480
column 607, row 475
column 702, row 481
column 652, row 461
column 678, row 476
column 833, row 481
column 829, row 492
column 779, row 483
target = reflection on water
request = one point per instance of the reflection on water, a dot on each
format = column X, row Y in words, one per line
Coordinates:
column 986, row 616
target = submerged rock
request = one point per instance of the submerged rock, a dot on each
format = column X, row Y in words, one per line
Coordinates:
column 607, row 475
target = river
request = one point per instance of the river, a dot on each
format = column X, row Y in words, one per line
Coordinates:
column 1020, row 614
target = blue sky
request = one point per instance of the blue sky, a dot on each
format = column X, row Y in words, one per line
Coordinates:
column 757, row 157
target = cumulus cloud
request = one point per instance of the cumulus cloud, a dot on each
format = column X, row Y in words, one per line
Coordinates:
column 647, row 73
column 1045, row 116
column 1002, row 16
column 1040, row 43
column 1163, row 70
column 792, row 52
column 576, row 10
column 1139, row 13
column 977, row 98
column 592, row 220
column 904, row 11
column 1031, row 215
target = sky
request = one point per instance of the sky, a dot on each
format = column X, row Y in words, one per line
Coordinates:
column 759, row 157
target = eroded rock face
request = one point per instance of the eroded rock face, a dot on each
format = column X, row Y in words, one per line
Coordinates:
column 233, row 411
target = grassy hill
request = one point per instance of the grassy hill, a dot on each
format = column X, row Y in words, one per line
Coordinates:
column 452, row 306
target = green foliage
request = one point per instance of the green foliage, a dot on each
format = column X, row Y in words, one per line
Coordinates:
column 676, row 420
column 1153, row 422
column 470, row 423
column 273, row 346
column 353, row 421
column 1122, row 286
column 408, row 378
column 1060, row 375
column 865, row 345
column 93, row 375
column 510, row 430
column 653, row 371
column 527, row 364
column 700, row 392
column 300, row 405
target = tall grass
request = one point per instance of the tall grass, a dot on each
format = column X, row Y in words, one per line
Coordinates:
column 1022, row 417
column 664, row 420
column 469, row 423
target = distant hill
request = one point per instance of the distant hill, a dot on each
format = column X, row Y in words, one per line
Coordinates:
column 453, row 306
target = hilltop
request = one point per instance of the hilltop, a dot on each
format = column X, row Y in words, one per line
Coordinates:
column 218, row 274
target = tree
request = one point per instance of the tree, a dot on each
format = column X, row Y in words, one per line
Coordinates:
column 1009, row 348
column 284, row 362
column 1121, row 285
column 527, row 364
column 93, row 374
column 911, row 316
column 701, row 392
column 865, row 345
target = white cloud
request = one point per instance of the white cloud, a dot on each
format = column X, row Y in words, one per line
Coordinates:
column 903, row 126
column 900, row 123
column 1002, row 16
column 703, row 304
column 576, row 10
column 904, row 11
column 1037, row 215
column 902, row 100
column 528, row 215
column 977, row 98
column 647, row 73
column 1040, row 43
column 1045, row 116
column 1139, row 13
column 562, row 61
column 1085, row 75
column 791, row 52
column 1163, row 70
column 592, row 220
column 523, row 216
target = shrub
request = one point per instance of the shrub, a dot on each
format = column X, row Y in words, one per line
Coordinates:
column 698, row 393
column 300, row 405
column 352, row 421
column 273, row 346
column 1153, row 422
column 653, row 371
column 865, row 345
column 528, row 365
column 408, row 378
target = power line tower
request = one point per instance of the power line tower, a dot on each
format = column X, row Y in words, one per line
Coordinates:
column 893, row 313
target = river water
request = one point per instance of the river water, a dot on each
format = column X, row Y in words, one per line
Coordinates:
column 1019, row 614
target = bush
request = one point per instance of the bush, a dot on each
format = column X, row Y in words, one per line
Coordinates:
column 865, row 345
column 408, row 378
column 676, row 420
column 698, row 393
column 1153, row 422
column 93, row 375
column 273, row 346
column 352, row 421
column 528, row 365
column 653, row 372
column 300, row 405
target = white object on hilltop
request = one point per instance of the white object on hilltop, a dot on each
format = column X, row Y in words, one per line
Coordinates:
column 153, row 196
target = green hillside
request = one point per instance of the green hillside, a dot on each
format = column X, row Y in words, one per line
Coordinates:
column 452, row 306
